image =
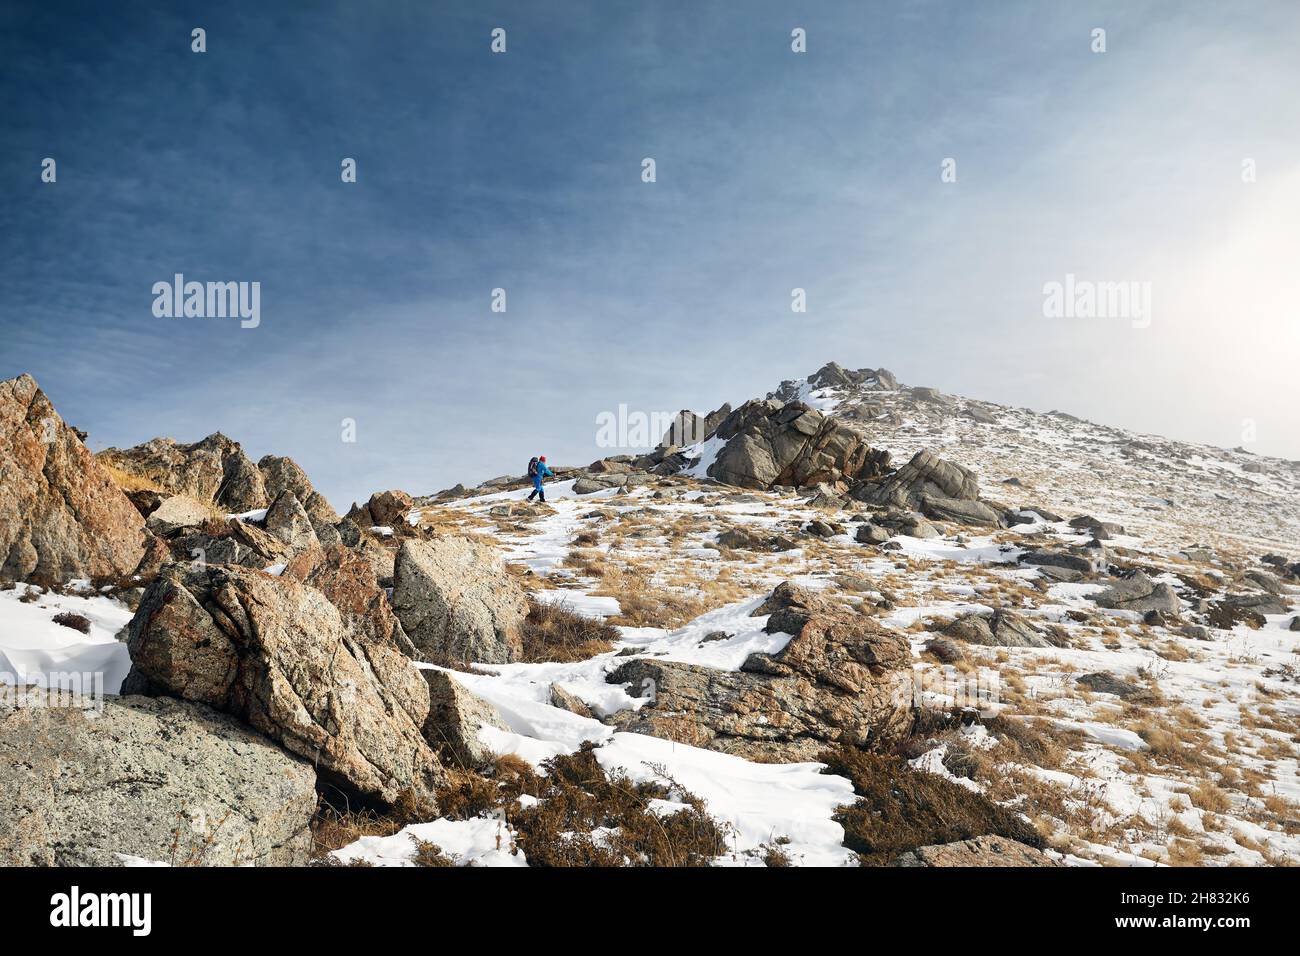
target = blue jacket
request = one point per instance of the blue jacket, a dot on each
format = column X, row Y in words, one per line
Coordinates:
column 542, row 472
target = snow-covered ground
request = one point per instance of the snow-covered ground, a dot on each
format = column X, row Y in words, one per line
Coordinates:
column 1225, row 791
column 759, row 802
column 1233, row 694
column 36, row 651
column 479, row 842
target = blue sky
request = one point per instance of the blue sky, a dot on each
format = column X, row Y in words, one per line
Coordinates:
column 522, row 171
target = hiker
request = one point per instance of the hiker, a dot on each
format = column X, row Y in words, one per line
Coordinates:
column 537, row 470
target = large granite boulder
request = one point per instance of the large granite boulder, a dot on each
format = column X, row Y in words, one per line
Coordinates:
column 979, row 414
column 288, row 522
column 280, row 474
column 385, row 509
column 590, row 484
column 455, row 717
column 177, row 513
column 457, row 602
column 690, row 428
column 1103, row 682
column 961, row 511
column 925, row 476
column 941, row 490
column 238, row 542
column 1139, row 593
column 348, row 580
column 1004, row 628
column 928, row 395
column 910, row 523
column 1258, row 602
column 770, row 442
column 1103, row 530
column 1081, row 560
column 61, row 514
column 278, row 655
column 842, row 679
column 159, row 779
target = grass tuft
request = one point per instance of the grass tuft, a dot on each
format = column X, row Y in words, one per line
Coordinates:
column 556, row 632
column 899, row 809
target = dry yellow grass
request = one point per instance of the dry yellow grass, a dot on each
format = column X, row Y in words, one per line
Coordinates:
column 1279, row 806
column 1184, row 853
column 332, row 829
column 649, row 600
column 1206, row 796
column 129, row 482
column 449, row 520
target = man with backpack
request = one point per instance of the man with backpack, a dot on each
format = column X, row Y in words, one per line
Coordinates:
column 537, row 470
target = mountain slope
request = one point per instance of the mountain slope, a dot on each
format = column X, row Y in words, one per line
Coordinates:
column 1127, row 680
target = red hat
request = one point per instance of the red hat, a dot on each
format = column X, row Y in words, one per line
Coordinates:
column 543, row 458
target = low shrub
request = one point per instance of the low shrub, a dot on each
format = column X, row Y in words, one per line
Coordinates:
column 586, row 816
column 582, row 815
column 899, row 809
column 75, row 621
column 556, row 632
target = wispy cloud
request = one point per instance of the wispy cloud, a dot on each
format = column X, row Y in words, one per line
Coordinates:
column 521, row 171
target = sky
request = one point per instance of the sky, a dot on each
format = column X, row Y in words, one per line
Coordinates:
column 523, row 170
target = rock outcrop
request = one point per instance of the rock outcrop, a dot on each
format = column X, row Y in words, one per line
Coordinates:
column 177, row 513
column 61, row 514
column 1004, row 628
column 960, row 511
column 567, row 700
column 236, row 542
column 1102, row 682
column 590, row 484
column 770, row 442
column 834, row 375
column 288, row 522
column 690, row 428
column 1102, row 530
column 159, row 779
column 457, row 602
column 1139, row 593
column 1079, row 560
column 217, row 472
column 740, row 539
column 868, row 533
column 939, row 489
column 281, row 474
column 214, row 470
column 977, row 413
column 842, row 679
column 278, row 655
column 923, row 393
column 385, row 509
column 925, row 476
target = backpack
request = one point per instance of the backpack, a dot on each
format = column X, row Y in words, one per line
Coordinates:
column 532, row 468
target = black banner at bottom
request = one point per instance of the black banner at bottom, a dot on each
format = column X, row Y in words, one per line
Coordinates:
column 334, row 905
